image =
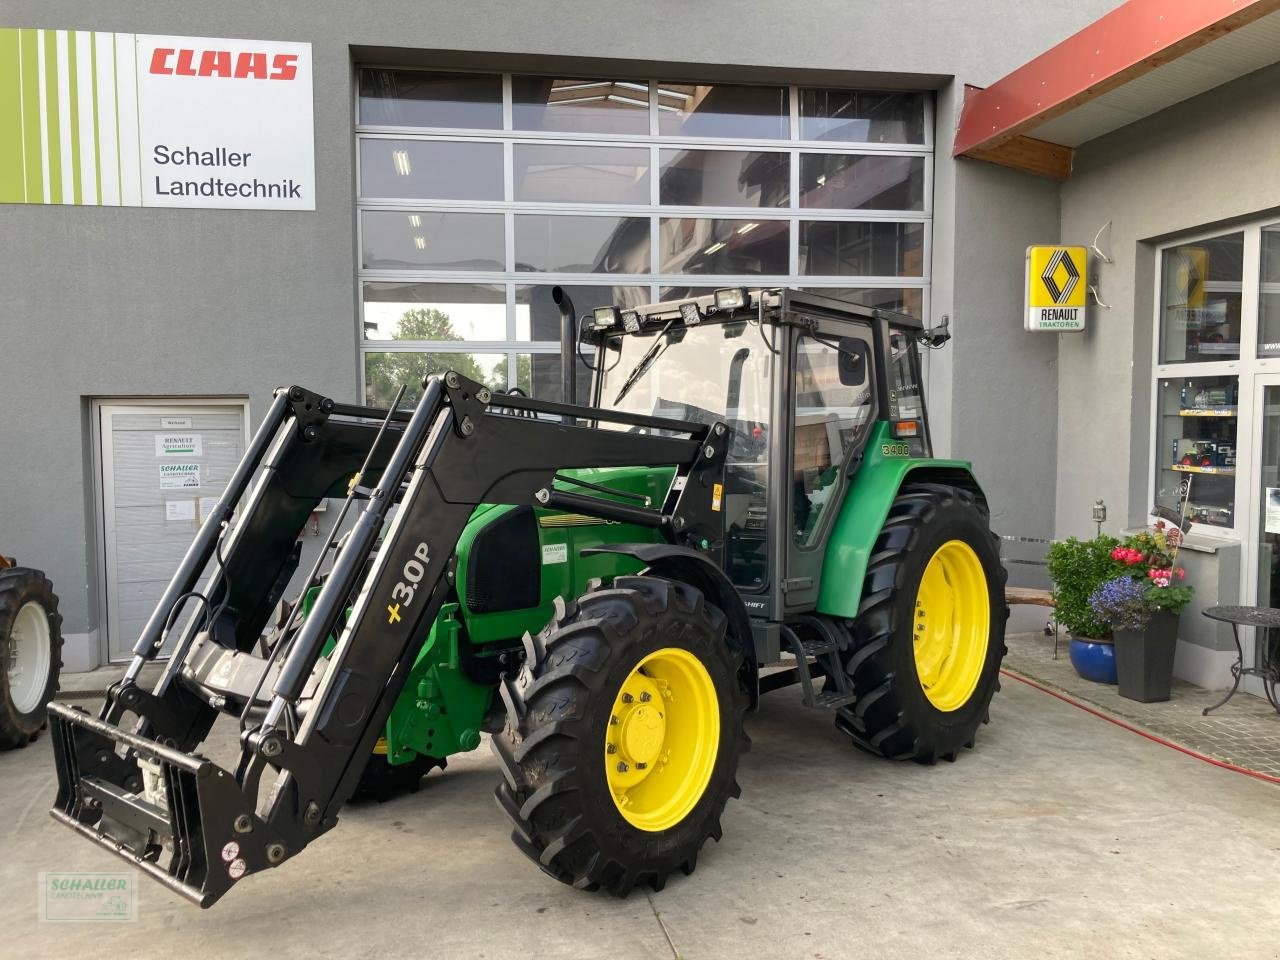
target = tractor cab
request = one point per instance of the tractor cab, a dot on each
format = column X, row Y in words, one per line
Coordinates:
column 804, row 382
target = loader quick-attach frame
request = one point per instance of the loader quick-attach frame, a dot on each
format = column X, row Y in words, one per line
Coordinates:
column 131, row 778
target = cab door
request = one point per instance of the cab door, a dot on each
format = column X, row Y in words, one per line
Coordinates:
column 832, row 406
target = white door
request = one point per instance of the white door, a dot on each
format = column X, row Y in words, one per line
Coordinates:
column 163, row 466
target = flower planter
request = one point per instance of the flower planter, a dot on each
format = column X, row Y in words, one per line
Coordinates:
column 1144, row 658
column 1093, row 659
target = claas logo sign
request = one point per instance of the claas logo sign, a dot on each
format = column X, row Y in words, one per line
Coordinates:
column 1056, row 286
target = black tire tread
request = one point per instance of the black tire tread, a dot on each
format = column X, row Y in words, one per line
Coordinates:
column 879, row 720
column 382, row 780
column 18, row 585
column 541, row 790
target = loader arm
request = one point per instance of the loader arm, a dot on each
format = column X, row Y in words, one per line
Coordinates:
column 131, row 779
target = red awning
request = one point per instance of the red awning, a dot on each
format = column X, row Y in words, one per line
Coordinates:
column 1072, row 91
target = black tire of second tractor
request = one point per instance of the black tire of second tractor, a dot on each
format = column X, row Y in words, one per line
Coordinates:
column 892, row 716
column 18, row 587
column 382, row 780
column 551, row 749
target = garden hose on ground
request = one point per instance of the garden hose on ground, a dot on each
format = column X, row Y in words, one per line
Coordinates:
column 1143, row 733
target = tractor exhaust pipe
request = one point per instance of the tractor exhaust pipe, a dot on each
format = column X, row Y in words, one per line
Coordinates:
column 568, row 344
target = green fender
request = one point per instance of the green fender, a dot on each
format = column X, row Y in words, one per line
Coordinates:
column 885, row 464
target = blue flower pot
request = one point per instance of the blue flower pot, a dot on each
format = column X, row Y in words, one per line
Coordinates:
column 1093, row 659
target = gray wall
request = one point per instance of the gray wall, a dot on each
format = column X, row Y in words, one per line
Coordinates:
column 1004, row 397
column 124, row 302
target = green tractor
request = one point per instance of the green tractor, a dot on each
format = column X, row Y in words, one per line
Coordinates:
column 748, row 501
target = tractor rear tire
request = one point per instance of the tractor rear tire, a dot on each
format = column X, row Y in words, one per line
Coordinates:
column 629, row 700
column 30, row 654
column 934, row 535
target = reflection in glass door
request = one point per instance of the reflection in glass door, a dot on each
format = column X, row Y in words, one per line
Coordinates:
column 1268, row 509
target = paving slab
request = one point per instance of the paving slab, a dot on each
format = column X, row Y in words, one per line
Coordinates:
column 1244, row 731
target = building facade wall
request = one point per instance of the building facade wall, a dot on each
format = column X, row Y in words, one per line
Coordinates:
column 122, row 302
column 1207, row 161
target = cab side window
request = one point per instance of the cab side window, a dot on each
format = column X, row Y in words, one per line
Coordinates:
column 834, row 403
column 906, row 398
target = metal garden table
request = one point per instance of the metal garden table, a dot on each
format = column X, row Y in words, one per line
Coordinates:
column 1267, row 621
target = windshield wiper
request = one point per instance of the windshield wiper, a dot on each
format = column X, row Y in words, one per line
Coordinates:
column 646, row 361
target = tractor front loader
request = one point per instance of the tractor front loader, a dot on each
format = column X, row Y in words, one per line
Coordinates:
column 748, row 503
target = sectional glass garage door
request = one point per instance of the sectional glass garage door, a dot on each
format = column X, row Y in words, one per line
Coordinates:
column 478, row 193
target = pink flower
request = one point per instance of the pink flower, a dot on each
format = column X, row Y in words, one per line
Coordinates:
column 1160, row 577
column 1182, row 574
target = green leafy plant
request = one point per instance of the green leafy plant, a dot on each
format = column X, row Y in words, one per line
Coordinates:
column 1077, row 568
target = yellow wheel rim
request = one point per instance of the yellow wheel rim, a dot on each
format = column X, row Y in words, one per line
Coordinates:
column 952, row 624
column 661, row 742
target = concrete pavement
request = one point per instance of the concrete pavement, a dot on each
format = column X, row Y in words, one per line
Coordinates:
column 1060, row 836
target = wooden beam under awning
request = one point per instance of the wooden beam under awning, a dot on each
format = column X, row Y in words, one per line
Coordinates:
column 1130, row 41
column 1030, row 155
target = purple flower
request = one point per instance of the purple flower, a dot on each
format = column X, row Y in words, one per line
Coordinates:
column 1121, row 602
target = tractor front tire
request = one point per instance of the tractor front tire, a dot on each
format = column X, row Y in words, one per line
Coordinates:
column 624, row 728
column 30, row 654
column 929, row 637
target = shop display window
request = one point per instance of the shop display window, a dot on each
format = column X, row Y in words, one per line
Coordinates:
column 1196, row 441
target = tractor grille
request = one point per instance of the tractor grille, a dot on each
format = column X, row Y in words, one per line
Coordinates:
column 505, row 569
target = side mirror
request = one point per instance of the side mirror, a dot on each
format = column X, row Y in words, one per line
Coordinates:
column 852, row 364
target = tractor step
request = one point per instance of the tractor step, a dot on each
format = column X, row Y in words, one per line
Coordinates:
column 831, row 700
column 824, row 652
column 817, row 648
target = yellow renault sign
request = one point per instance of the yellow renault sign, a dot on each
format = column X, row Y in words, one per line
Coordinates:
column 1056, row 284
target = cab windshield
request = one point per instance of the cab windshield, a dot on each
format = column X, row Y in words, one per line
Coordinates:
column 710, row 372
column 703, row 374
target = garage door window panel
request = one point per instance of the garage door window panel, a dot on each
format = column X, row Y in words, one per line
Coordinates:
column 567, row 244
column 430, row 169
column 431, row 240
column 723, row 110
column 726, row 247
column 579, row 106
column 385, row 372
column 724, row 178
column 861, row 248
column 422, row 98
column 861, row 116
column 845, row 181
column 555, row 173
column 396, row 310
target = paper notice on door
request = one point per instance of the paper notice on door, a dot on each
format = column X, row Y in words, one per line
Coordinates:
column 178, row 445
column 179, row 476
column 179, row 509
column 1272, row 522
column 206, row 505
column 175, row 423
